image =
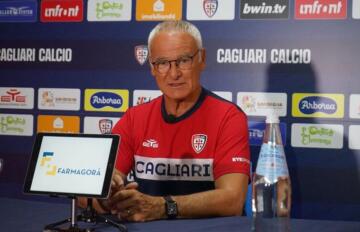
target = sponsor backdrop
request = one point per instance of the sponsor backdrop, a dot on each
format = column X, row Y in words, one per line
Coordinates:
column 78, row 65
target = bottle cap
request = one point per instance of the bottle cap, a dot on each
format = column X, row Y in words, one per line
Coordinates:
column 272, row 118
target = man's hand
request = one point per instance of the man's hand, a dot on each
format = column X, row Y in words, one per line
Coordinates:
column 131, row 205
column 117, row 184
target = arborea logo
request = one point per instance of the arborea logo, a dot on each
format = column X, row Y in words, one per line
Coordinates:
column 318, row 105
column 45, row 162
column 112, row 100
column 62, row 11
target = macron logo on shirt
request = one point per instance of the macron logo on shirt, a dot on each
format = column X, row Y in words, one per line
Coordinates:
column 150, row 143
column 238, row 159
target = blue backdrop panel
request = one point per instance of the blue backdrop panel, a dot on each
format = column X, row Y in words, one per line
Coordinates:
column 325, row 182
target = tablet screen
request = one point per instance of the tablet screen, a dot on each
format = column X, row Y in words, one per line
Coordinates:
column 72, row 164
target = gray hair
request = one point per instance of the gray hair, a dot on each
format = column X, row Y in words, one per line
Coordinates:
column 176, row 26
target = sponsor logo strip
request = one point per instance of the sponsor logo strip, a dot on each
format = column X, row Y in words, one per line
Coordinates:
column 158, row 10
column 16, row 98
column 210, row 9
column 109, row 10
column 58, row 124
column 61, row 11
column 110, row 100
column 257, row 130
column 18, row 11
column 354, row 106
column 320, row 9
column 264, row 9
column 261, row 103
column 173, row 169
column 59, row 99
column 313, row 105
column 356, row 9
column 99, row 125
column 16, row 124
column 354, row 141
column 143, row 96
column 224, row 94
column 317, row 135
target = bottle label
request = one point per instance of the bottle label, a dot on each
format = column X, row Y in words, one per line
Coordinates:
column 272, row 162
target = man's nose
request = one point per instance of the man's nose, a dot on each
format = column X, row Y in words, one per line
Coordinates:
column 174, row 69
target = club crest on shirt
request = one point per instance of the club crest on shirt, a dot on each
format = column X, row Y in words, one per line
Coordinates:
column 210, row 7
column 198, row 142
column 141, row 53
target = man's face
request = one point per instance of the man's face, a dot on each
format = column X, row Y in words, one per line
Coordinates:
column 177, row 84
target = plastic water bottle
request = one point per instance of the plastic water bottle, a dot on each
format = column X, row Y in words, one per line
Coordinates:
column 271, row 188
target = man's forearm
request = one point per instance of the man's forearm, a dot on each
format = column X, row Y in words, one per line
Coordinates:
column 218, row 202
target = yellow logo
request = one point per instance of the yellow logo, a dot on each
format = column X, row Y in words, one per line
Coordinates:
column 44, row 162
column 110, row 100
column 314, row 105
column 158, row 10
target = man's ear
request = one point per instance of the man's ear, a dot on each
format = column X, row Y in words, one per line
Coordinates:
column 203, row 59
column 152, row 69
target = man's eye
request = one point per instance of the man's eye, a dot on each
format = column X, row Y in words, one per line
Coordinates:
column 184, row 60
column 162, row 62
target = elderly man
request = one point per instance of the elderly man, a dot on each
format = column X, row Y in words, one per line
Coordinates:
column 188, row 148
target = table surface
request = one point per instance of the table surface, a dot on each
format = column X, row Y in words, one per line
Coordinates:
column 30, row 216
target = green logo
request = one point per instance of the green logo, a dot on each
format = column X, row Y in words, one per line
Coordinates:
column 108, row 9
column 12, row 124
column 319, row 135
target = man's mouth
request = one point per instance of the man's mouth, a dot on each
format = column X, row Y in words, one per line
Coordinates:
column 175, row 85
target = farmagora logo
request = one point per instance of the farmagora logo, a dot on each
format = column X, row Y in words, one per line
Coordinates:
column 51, row 169
column 46, row 163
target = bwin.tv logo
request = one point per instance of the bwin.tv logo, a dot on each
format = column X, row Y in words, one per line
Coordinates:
column 45, row 162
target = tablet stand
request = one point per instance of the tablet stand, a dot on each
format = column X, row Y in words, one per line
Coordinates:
column 88, row 215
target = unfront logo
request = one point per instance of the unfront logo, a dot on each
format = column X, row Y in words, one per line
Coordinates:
column 320, row 9
column 61, row 11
